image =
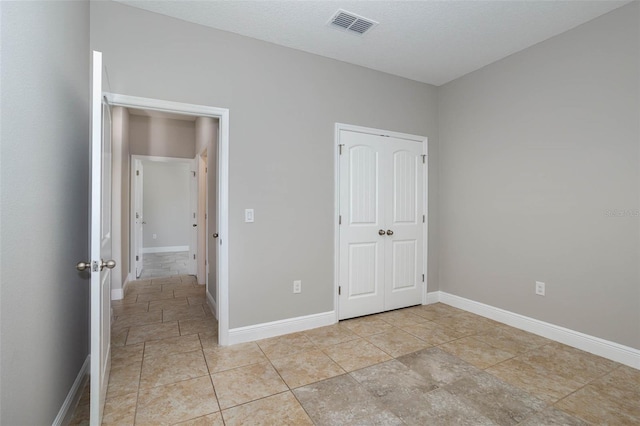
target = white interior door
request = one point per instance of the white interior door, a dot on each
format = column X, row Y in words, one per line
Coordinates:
column 138, row 217
column 403, row 219
column 381, row 231
column 362, row 229
column 100, row 243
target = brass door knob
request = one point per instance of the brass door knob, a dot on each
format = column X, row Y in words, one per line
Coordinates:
column 381, row 232
column 389, row 232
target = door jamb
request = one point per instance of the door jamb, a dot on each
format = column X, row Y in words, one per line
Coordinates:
column 336, row 238
column 222, row 114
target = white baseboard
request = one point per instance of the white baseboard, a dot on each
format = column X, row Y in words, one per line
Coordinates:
column 71, row 401
column 166, row 249
column 433, row 297
column 118, row 293
column 278, row 328
column 212, row 303
column 595, row 345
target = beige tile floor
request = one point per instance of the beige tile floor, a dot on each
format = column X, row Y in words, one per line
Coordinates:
column 422, row 365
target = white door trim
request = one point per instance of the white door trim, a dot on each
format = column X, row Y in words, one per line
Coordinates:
column 336, row 191
column 222, row 114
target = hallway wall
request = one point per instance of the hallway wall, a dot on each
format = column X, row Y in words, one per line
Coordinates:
column 44, row 189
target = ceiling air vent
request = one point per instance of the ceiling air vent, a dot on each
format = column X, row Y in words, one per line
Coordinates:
column 351, row 22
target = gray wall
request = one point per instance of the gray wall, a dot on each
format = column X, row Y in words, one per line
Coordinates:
column 162, row 137
column 283, row 106
column 165, row 204
column 536, row 152
column 44, row 201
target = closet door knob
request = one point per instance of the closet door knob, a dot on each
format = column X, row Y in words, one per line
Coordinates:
column 381, row 232
column 389, row 232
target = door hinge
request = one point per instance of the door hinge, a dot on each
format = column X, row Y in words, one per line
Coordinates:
column 194, row 215
column 424, row 158
column 340, row 147
column 137, row 215
column 424, row 218
column 194, row 258
column 422, row 277
column 137, row 257
column 194, row 173
column 339, row 290
column 340, row 220
column 137, row 172
column 206, row 170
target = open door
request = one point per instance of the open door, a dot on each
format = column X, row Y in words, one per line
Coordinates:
column 138, row 218
column 100, row 243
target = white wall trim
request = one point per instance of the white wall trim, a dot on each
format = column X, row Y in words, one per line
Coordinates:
column 165, row 249
column 212, row 303
column 432, row 297
column 118, row 293
column 595, row 345
column 73, row 397
column 278, row 328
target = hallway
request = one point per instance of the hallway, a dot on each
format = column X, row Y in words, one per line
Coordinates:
column 158, row 265
column 431, row 364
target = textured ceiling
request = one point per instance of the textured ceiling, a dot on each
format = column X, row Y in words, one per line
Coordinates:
column 429, row 41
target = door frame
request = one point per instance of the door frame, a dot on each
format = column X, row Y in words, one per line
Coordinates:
column 133, row 190
column 222, row 114
column 336, row 236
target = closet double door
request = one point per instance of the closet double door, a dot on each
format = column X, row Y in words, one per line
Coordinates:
column 382, row 223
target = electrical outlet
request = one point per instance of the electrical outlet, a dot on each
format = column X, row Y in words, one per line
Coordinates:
column 297, row 286
column 539, row 288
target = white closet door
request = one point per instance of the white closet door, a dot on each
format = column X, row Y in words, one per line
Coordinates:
column 403, row 217
column 362, row 210
column 381, row 231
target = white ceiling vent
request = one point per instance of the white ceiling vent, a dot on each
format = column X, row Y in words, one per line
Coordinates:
column 351, row 22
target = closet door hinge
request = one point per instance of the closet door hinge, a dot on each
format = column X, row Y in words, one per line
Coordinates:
column 137, row 257
column 340, row 220
column 424, row 158
column 339, row 290
column 424, row 218
column 422, row 277
column 137, row 172
column 340, row 147
column 194, row 258
column 194, row 174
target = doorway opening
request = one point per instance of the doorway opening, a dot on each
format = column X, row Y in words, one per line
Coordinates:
column 209, row 169
column 163, row 241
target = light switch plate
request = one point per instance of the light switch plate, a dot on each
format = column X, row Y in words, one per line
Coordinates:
column 248, row 215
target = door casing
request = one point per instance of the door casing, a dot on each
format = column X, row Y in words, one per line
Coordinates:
column 372, row 131
column 222, row 115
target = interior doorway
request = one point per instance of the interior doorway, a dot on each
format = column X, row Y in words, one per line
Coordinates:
column 216, row 158
column 164, row 195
